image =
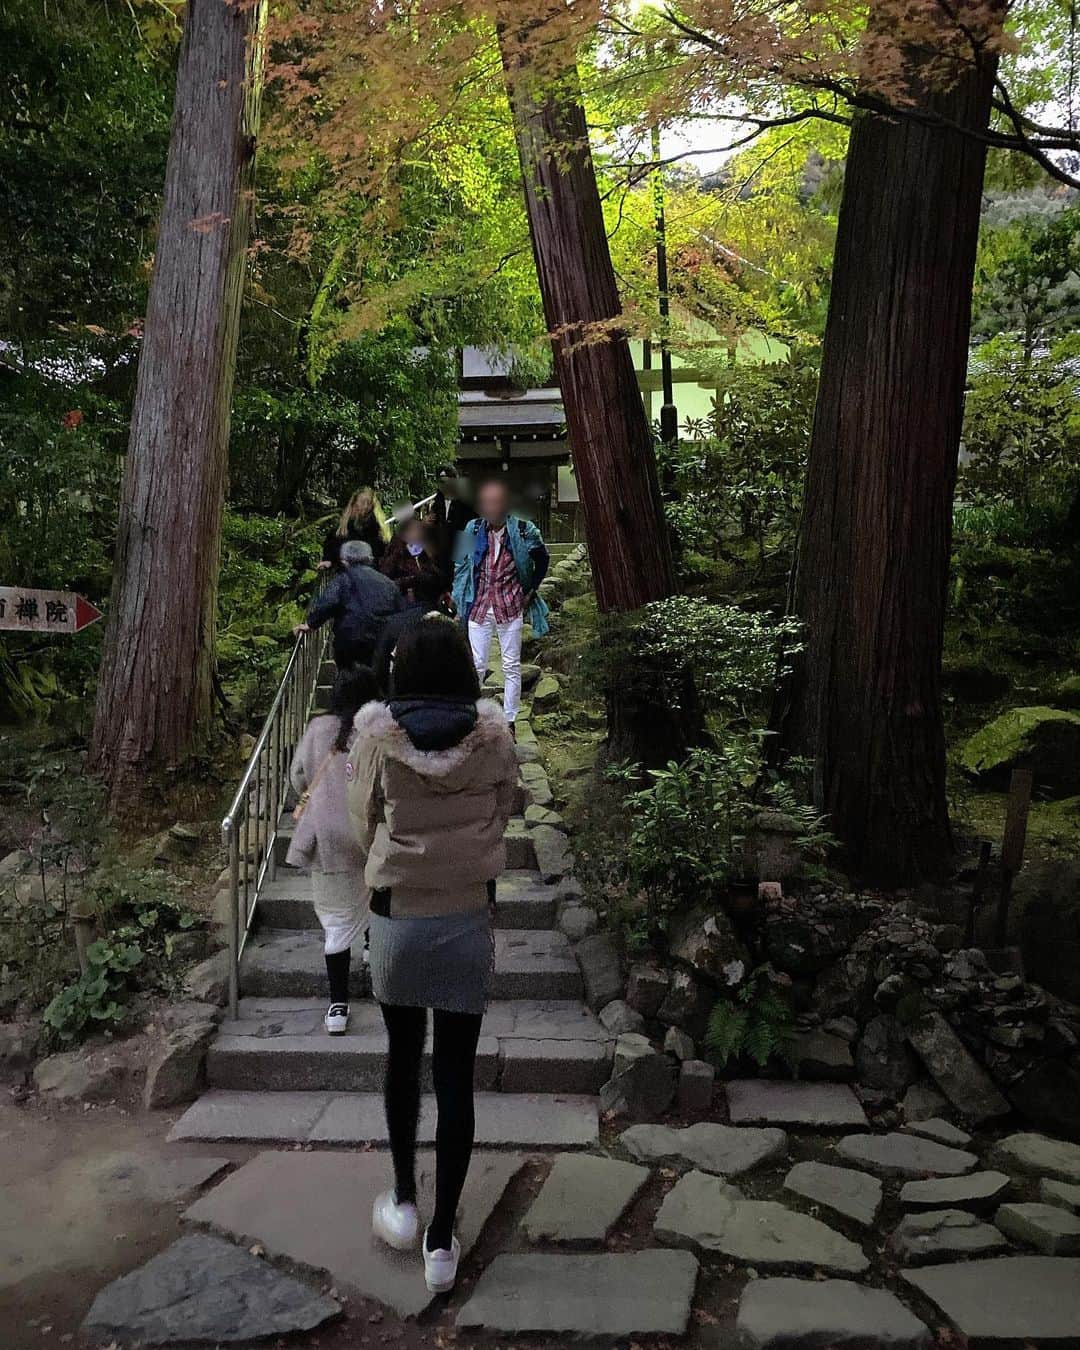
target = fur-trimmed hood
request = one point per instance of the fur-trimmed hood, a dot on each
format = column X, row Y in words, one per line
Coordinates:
column 376, row 722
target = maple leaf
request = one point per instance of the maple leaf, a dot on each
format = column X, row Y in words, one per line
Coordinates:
column 71, row 419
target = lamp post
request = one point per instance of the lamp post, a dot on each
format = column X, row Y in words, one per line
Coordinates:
column 669, row 414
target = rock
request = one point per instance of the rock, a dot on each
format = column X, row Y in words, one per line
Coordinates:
column 530, row 673
column 782, row 1313
column 940, row 1130
column 922, row 1101
column 705, row 939
column 823, row 1056
column 599, row 962
column 724, row 1149
column 978, row 1192
column 1048, row 1096
column 851, row 1194
column 943, row 1235
column 175, row 1071
column 184, row 1014
column 812, row 1106
column 581, row 1198
column 1040, row 1155
column 646, row 989
column 771, row 849
column 703, row 1212
column 547, row 693
column 74, row 1076
column 686, row 1004
column 966, row 1083
column 578, row 921
column 1061, row 1193
column 1046, row 896
column 553, row 856
column 208, row 982
column 630, row 1047
column 642, row 1091
column 544, row 815
column 1048, row 1228
column 678, row 1043
column 204, row 1290
column 882, row 1057
column 695, row 1089
column 844, row 1027
column 610, row 1295
column 163, row 1176
column 20, row 1044
column 618, row 1017
column 1045, row 740
column 1007, row 1300
column 904, row 1155
column 537, row 787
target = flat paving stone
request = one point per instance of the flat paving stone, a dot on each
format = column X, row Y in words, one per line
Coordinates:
column 1040, row 1154
column 581, row 1198
column 939, row 1130
column 1062, row 1193
column 610, row 1295
column 703, row 1212
column 314, row 1209
column 843, row 1190
column 1048, row 1228
column 165, row 1176
column 978, row 1192
column 781, row 1313
column 1007, row 1300
column 725, row 1149
column 508, row 1120
column 203, row 1291
column 905, row 1155
column 809, row 1106
column 943, row 1235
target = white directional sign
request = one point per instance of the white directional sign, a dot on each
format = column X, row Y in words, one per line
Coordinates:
column 25, row 610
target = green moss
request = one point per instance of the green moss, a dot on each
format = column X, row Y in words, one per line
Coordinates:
column 1045, row 740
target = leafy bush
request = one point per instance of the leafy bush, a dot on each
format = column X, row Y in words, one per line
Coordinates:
column 757, row 1022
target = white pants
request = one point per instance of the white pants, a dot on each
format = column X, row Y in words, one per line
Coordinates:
column 480, row 635
column 342, row 902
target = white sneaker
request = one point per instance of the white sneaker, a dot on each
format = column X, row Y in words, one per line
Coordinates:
column 440, row 1266
column 397, row 1225
column 336, row 1020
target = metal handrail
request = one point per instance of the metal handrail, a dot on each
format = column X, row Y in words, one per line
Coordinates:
column 251, row 827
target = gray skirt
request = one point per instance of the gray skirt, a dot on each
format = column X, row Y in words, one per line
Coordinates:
column 447, row 962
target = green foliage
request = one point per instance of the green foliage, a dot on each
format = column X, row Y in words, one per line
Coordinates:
column 96, row 998
column 757, row 1022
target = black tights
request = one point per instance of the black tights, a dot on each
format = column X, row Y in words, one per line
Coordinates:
column 452, row 1060
column 337, row 973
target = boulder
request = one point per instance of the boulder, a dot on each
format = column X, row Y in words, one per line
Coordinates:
column 208, row 982
column 704, row 939
column 1046, row 897
column 821, row 1055
column 629, row 1048
column 679, row 1044
column 175, row 1071
column 922, row 1101
column 964, row 1081
column 578, row 921
column 882, row 1057
column 20, row 1044
column 1045, row 740
column 686, row 1004
column 75, row 1076
column 599, row 962
column 618, row 1017
column 695, row 1090
column 646, row 988
column 643, row 1090
column 553, row 857
column 546, row 694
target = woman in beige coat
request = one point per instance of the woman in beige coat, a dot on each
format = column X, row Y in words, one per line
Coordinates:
column 432, row 781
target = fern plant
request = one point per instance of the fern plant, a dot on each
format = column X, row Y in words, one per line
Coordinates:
column 757, row 1022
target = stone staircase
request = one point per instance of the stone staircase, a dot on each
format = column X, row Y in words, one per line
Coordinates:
column 274, row 1075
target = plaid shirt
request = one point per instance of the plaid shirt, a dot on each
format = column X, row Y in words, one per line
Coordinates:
column 497, row 587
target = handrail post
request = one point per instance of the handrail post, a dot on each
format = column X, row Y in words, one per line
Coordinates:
column 231, row 841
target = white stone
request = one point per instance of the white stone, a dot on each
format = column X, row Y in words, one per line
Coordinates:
column 904, row 1155
column 724, row 1149
column 843, row 1190
column 1048, row 1228
column 781, row 1313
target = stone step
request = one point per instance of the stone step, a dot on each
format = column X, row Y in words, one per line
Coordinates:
column 503, row 1120
column 520, row 853
column 280, row 1045
column 529, row 964
column 524, row 901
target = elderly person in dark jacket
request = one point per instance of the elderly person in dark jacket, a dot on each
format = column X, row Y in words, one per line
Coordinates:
column 359, row 600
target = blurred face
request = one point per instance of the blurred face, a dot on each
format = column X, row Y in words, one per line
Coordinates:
column 492, row 502
column 413, row 532
column 448, row 485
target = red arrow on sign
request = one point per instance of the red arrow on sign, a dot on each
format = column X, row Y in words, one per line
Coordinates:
column 85, row 613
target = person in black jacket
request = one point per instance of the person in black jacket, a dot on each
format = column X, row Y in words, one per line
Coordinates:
column 448, row 515
column 425, row 597
column 409, row 555
column 359, row 600
column 361, row 519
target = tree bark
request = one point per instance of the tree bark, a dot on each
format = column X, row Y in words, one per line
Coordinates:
column 872, row 566
column 610, row 437
column 156, row 675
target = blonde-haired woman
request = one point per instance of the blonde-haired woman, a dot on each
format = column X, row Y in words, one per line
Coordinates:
column 361, row 519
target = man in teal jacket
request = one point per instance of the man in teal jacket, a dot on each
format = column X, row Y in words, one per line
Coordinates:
column 501, row 563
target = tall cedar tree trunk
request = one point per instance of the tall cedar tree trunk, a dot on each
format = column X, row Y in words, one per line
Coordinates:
column 612, row 443
column 158, row 663
column 873, row 558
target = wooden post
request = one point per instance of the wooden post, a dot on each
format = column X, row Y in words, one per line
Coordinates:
column 1012, row 845
column 84, row 922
